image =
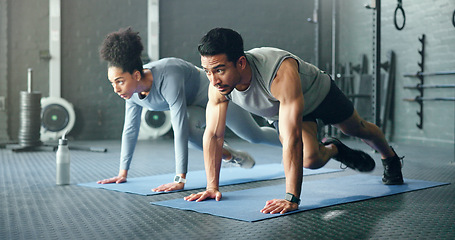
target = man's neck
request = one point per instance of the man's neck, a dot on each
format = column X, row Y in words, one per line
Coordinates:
column 245, row 81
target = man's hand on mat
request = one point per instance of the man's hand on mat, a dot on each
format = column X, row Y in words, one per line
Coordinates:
column 201, row 196
column 279, row 206
column 117, row 179
column 169, row 187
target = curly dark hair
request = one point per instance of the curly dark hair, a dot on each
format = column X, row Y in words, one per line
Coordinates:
column 123, row 49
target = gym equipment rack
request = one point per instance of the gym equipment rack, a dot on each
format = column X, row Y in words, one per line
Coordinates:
column 421, row 86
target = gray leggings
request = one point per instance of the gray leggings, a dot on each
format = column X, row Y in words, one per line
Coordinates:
column 238, row 120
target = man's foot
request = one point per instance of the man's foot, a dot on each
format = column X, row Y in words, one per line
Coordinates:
column 355, row 159
column 392, row 170
column 239, row 158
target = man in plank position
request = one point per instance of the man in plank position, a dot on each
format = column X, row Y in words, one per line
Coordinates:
column 281, row 87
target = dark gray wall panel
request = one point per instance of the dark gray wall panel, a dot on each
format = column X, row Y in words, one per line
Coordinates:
column 281, row 24
column 3, row 68
column 85, row 23
column 28, row 33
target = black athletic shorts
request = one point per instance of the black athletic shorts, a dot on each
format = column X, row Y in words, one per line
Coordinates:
column 335, row 108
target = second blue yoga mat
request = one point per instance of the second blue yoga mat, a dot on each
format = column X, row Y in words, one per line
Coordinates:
column 197, row 179
column 245, row 205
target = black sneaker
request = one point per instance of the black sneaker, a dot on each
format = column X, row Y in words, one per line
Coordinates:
column 355, row 159
column 392, row 170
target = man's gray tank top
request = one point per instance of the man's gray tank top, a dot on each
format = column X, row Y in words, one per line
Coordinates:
column 264, row 62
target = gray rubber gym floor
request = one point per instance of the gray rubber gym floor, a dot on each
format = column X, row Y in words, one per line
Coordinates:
column 33, row 207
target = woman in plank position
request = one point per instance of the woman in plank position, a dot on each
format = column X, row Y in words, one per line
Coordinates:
column 175, row 85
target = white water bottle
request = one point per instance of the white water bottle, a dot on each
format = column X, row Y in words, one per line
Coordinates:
column 63, row 162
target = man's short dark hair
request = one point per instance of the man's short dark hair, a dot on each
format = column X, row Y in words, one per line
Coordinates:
column 222, row 41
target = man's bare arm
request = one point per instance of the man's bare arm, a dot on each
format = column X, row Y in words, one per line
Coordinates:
column 213, row 144
column 286, row 87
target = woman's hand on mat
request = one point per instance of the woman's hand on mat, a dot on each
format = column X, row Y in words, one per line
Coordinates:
column 279, row 206
column 120, row 178
column 169, row 187
column 116, row 179
column 201, row 196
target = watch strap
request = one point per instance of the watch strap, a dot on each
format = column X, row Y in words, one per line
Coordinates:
column 291, row 198
column 178, row 179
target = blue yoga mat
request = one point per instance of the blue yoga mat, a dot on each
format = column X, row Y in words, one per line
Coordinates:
column 245, row 205
column 197, row 179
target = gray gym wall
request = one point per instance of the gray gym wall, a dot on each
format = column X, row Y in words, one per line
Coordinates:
column 26, row 25
column 432, row 18
column 3, row 70
column 100, row 112
column 282, row 24
column 85, row 23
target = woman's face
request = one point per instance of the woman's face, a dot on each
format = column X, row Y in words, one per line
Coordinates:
column 124, row 83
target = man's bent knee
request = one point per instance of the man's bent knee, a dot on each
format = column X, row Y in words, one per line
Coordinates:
column 313, row 162
column 365, row 131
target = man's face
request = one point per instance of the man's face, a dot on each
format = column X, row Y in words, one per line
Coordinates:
column 223, row 74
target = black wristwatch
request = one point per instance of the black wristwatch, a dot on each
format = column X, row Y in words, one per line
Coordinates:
column 291, row 198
